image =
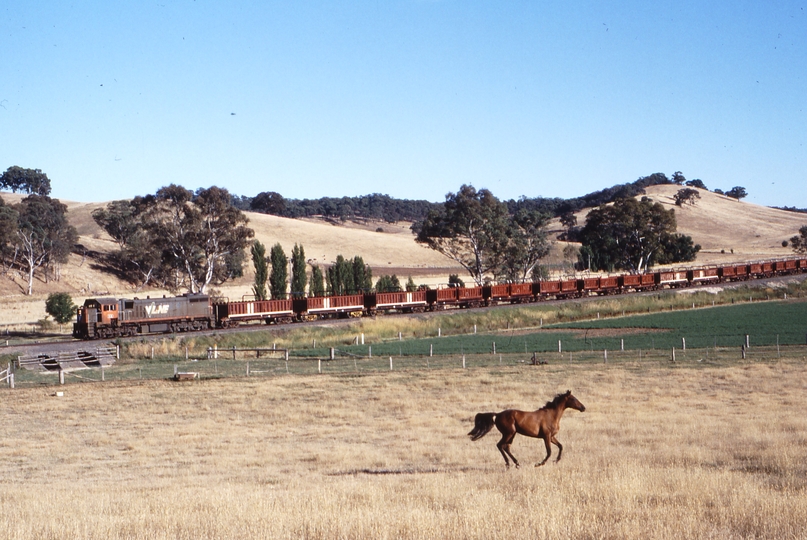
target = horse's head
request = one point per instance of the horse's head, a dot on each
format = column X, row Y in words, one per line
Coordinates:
column 573, row 403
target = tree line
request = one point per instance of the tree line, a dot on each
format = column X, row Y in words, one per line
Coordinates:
column 374, row 206
column 386, row 208
column 345, row 276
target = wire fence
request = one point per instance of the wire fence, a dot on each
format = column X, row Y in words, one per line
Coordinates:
column 346, row 363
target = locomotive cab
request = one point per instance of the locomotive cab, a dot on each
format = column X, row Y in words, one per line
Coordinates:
column 94, row 314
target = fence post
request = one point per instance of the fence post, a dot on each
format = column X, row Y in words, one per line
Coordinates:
column 494, row 348
column 117, row 352
column 747, row 342
column 605, row 355
column 186, row 353
column 11, row 380
column 399, row 336
column 362, row 338
column 247, row 369
column 560, row 350
column 743, row 351
column 332, row 354
column 233, row 352
column 439, row 332
column 215, row 351
column 673, row 354
column 287, row 355
column 622, row 344
column 474, row 329
column 370, row 351
column 390, row 363
column 61, row 376
column 463, row 361
column 431, row 349
column 319, row 365
column 684, row 343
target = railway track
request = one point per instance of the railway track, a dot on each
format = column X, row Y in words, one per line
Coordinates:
column 37, row 345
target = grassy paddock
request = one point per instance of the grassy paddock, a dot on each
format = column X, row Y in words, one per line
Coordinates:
column 662, row 451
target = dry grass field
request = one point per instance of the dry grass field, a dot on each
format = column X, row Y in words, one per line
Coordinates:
column 661, row 452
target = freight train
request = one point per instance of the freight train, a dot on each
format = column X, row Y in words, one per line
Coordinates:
column 103, row 318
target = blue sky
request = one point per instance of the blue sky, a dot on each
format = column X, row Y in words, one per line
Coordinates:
column 409, row 98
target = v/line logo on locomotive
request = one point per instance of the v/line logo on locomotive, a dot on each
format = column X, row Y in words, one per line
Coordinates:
column 154, row 309
column 113, row 317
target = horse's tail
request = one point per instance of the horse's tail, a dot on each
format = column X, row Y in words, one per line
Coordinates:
column 483, row 422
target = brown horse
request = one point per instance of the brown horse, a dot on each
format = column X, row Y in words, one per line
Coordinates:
column 543, row 423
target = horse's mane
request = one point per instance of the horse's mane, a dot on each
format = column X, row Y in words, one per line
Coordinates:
column 553, row 403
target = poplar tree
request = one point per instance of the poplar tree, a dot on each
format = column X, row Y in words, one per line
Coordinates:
column 278, row 278
column 317, row 282
column 261, row 270
column 298, row 276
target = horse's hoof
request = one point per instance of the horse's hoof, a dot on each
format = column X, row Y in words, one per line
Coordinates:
column 518, row 466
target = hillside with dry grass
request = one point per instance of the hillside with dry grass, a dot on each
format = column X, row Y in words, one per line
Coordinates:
column 727, row 230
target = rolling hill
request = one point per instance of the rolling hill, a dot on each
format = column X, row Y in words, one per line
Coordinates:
column 727, row 230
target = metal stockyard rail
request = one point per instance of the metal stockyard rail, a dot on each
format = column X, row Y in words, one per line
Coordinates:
column 69, row 360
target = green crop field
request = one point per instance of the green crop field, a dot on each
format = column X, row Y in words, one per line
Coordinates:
column 766, row 324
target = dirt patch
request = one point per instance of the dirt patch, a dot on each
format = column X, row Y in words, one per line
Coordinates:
column 615, row 332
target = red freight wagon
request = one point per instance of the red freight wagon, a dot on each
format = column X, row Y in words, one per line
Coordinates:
column 520, row 292
column 548, row 287
column 496, row 292
column 588, row 284
column 727, row 273
column 254, row 310
column 703, row 275
column 648, row 280
column 609, row 284
column 470, row 296
column 568, row 287
column 630, row 281
column 389, row 301
column 442, row 296
column 325, row 306
column 671, row 278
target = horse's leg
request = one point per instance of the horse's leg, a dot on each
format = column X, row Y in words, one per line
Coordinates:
column 548, row 451
column 560, row 447
column 507, row 449
column 500, row 445
column 504, row 448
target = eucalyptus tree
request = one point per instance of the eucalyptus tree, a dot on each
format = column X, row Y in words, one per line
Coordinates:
column 632, row 235
column 470, row 228
column 43, row 235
